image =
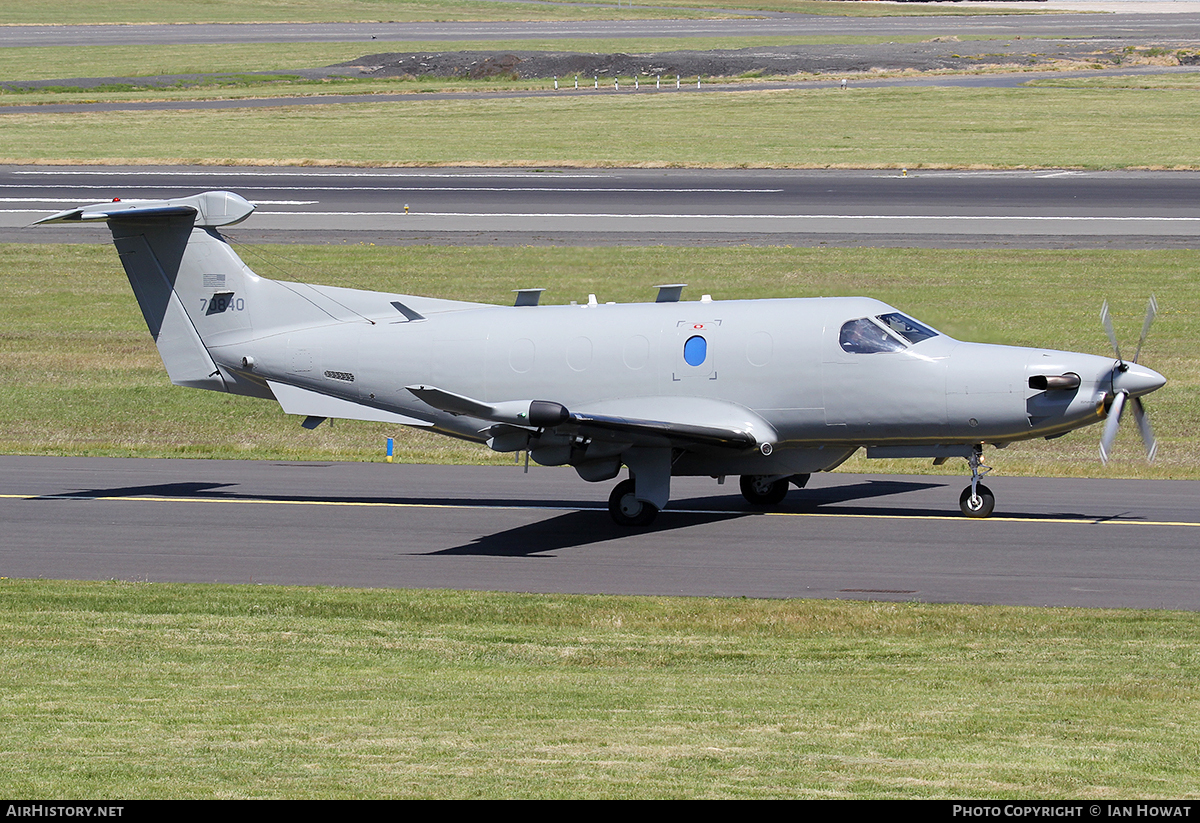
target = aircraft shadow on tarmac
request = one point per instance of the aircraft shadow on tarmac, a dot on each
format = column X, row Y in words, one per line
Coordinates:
column 724, row 505
column 584, row 523
column 580, row 528
column 180, row 490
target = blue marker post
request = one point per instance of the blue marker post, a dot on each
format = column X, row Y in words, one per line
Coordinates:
column 389, row 450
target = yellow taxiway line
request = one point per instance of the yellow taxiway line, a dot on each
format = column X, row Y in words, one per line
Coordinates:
column 899, row 515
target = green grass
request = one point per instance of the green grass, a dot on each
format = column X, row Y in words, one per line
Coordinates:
column 826, row 127
column 128, row 690
column 1188, row 80
column 54, row 12
column 79, row 374
column 850, row 9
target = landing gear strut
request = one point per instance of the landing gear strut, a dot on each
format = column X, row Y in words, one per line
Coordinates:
column 977, row 499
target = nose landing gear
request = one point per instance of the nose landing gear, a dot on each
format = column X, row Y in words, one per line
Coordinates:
column 977, row 499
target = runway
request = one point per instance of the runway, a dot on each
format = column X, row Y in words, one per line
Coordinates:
column 1056, row 542
column 1023, row 209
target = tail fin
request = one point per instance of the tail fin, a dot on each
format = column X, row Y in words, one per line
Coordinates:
column 183, row 274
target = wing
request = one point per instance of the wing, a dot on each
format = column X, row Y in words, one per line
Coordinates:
column 681, row 422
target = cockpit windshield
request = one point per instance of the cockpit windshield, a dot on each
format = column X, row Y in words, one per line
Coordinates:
column 867, row 335
column 906, row 327
column 862, row 336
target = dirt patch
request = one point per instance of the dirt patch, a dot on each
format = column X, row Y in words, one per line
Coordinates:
column 939, row 54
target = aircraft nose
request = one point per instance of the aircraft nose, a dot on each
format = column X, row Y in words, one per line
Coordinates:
column 1138, row 380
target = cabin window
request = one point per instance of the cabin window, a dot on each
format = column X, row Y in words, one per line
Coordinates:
column 863, row 336
column 906, row 327
column 695, row 350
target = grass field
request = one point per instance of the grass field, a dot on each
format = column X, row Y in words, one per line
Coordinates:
column 54, row 12
column 128, row 690
column 79, row 374
column 826, row 127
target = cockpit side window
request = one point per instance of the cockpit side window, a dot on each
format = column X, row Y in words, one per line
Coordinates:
column 906, row 327
column 862, row 336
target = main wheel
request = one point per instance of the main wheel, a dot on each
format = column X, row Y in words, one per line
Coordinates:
column 626, row 509
column 761, row 490
column 979, row 506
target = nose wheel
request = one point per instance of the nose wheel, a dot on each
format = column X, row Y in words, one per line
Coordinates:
column 977, row 503
column 977, row 499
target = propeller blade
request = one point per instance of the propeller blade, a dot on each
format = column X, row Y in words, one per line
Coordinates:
column 1106, row 319
column 1111, row 424
column 1151, row 311
column 1143, row 424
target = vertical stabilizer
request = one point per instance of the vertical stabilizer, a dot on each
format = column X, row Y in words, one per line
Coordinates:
column 151, row 256
column 189, row 284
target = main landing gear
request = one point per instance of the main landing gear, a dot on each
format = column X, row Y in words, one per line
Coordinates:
column 759, row 490
column 977, row 499
column 626, row 509
column 769, row 490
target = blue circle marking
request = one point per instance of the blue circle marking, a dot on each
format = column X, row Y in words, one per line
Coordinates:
column 695, row 350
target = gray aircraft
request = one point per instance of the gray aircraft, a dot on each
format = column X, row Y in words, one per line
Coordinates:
column 769, row 390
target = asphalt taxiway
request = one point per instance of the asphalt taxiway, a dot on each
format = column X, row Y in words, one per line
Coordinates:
column 1057, row 542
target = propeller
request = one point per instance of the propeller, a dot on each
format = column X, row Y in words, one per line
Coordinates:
column 1122, row 393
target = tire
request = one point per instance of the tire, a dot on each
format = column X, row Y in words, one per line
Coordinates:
column 759, row 491
column 982, row 507
column 627, row 510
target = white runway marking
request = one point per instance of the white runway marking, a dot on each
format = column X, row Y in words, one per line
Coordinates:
column 633, row 190
column 542, row 215
column 390, row 173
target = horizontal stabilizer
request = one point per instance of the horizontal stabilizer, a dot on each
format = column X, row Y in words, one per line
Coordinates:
column 295, row 400
column 208, row 210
